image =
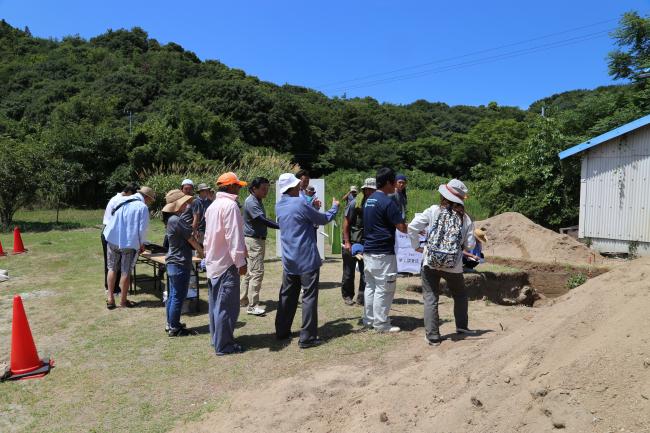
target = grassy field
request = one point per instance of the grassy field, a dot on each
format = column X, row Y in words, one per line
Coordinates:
column 117, row 370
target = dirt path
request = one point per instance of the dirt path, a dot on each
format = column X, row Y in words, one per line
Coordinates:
column 581, row 364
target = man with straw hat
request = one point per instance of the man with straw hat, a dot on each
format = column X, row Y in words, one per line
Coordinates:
column 450, row 231
column 125, row 235
column 178, row 259
column 225, row 259
column 473, row 258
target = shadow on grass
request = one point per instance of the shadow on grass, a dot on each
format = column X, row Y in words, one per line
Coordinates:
column 326, row 285
column 329, row 331
column 406, row 301
column 270, row 306
column 39, row 226
column 475, row 333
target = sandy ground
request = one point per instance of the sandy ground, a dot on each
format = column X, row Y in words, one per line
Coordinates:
column 513, row 235
column 579, row 364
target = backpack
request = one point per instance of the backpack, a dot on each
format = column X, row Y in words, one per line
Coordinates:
column 445, row 240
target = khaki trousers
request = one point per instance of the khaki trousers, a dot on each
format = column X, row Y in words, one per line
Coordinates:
column 252, row 282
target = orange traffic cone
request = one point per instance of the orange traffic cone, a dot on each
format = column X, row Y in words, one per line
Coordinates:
column 2, row 252
column 25, row 362
column 19, row 248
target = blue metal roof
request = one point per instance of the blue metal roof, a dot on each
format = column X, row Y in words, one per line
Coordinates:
column 636, row 124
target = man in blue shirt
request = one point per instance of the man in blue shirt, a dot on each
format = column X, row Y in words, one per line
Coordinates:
column 381, row 216
column 125, row 235
column 301, row 261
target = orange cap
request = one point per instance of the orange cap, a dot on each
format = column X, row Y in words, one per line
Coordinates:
column 230, row 178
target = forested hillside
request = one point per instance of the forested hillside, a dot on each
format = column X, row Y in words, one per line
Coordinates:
column 99, row 111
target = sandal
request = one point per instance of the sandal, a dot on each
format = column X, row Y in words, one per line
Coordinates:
column 110, row 305
column 128, row 304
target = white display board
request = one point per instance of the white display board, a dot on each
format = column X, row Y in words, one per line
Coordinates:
column 319, row 185
column 408, row 260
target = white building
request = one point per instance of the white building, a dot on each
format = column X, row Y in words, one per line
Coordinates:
column 615, row 189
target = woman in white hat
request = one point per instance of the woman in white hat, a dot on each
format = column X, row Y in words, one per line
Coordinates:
column 449, row 231
column 178, row 259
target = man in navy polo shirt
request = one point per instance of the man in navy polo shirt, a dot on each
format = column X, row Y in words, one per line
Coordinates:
column 381, row 216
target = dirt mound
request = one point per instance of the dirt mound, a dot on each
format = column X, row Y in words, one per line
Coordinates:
column 581, row 364
column 513, row 235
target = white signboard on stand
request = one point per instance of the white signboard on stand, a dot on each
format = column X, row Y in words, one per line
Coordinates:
column 319, row 185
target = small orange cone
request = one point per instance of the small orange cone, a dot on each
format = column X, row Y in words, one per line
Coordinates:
column 19, row 248
column 25, row 362
column 2, row 252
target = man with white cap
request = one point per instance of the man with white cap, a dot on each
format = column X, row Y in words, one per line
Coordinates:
column 353, row 235
column 449, row 231
column 301, row 260
column 187, row 186
column 178, row 259
column 225, row 260
column 351, row 195
column 125, row 235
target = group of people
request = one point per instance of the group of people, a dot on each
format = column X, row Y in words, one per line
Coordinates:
column 232, row 243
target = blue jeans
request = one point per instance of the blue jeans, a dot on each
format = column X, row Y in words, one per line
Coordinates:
column 179, row 282
column 224, row 310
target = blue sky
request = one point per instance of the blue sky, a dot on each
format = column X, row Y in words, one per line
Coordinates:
column 317, row 43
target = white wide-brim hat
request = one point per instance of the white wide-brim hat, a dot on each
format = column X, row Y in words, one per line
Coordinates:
column 454, row 191
column 287, row 181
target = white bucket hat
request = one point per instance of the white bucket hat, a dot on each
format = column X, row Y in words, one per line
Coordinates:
column 454, row 191
column 287, row 181
column 187, row 182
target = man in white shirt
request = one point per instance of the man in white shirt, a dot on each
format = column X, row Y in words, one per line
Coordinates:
column 130, row 189
column 449, row 231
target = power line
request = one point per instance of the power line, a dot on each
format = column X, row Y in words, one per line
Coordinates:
column 474, row 53
column 474, row 62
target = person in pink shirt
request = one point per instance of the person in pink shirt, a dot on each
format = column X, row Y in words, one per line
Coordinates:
column 225, row 259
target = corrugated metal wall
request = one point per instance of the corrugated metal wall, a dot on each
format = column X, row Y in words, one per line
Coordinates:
column 615, row 189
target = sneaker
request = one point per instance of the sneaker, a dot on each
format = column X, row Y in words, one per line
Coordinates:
column 465, row 331
column 236, row 348
column 180, row 332
column 360, row 300
column 256, row 311
column 391, row 330
column 310, row 343
column 167, row 326
column 348, row 301
column 435, row 341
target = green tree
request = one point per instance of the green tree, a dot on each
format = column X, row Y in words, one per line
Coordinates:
column 22, row 164
column 532, row 180
column 632, row 59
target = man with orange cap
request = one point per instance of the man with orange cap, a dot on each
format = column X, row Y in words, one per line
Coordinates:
column 225, row 260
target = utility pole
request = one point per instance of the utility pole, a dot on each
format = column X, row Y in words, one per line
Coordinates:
column 130, row 113
column 543, row 111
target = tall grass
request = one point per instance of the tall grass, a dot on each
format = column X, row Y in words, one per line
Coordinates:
column 254, row 163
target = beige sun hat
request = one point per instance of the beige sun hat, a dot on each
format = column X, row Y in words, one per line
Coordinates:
column 369, row 183
column 175, row 199
column 481, row 235
column 145, row 190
